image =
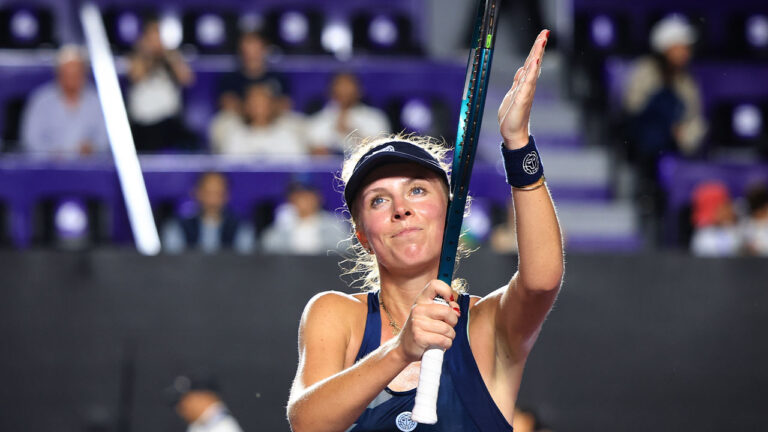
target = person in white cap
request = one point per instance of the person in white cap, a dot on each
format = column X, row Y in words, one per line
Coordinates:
column 662, row 97
column 63, row 117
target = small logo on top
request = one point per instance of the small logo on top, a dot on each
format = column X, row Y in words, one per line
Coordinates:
column 404, row 422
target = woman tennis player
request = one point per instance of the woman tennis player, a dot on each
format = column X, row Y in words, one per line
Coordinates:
column 359, row 355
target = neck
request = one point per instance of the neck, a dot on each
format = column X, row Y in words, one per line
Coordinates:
column 400, row 290
column 211, row 216
column 71, row 97
column 254, row 69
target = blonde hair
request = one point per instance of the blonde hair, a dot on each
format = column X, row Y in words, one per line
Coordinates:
column 361, row 267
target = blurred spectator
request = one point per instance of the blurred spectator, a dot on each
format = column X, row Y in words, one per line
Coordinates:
column 345, row 120
column 716, row 232
column 301, row 226
column 64, row 117
column 756, row 226
column 212, row 228
column 266, row 131
column 504, row 235
column 197, row 401
column 157, row 76
column 662, row 99
column 252, row 70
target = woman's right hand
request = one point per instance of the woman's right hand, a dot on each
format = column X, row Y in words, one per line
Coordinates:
column 429, row 324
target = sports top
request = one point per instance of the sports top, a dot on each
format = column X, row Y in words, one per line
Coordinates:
column 463, row 403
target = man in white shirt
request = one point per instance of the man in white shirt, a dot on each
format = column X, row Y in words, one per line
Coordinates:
column 345, row 120
column 63, row 117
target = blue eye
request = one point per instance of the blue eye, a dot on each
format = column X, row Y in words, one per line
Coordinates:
column 376, row 201
column 418, row 190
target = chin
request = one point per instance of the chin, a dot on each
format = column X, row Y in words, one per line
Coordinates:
column 418, row 256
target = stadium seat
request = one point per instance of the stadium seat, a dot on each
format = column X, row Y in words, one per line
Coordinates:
column 25, row 26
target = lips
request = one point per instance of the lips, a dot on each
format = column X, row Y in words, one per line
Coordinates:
column 406, row 231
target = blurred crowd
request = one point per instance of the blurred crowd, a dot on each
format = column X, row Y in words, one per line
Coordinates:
column 255, row 115
column 661, row 112
column 725, row 227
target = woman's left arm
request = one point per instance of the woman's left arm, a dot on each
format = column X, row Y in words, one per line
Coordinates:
column 524, row 304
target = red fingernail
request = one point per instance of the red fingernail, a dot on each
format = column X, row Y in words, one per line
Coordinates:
column 452, row 297
column 548, row 32
column 457, row 310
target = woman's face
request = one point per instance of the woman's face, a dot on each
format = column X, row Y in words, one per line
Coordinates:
column 401, row 215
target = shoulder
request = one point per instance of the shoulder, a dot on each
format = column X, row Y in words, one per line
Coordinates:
column 483, row 309
column 473, row 299
column 44, row 94
column 331, row 305
column 331, row 316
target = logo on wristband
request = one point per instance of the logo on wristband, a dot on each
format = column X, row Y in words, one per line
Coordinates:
column 531, row 163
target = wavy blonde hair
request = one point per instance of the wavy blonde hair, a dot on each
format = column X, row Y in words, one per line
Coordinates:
column 361, row 267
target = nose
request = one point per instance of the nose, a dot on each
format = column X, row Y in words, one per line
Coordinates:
column 401, row 210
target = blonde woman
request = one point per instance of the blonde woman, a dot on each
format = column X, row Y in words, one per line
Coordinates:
column 359, row 355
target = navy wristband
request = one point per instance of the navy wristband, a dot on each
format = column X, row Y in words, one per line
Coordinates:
column 522, row 166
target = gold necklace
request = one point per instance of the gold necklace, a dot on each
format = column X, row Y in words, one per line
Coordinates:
column 392, row 322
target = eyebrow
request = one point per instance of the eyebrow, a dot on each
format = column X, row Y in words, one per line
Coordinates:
column 381, row 189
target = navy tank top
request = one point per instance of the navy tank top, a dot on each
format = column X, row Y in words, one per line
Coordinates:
column 463, row 403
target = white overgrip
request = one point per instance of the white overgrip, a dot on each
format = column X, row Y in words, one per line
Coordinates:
column 425, row 405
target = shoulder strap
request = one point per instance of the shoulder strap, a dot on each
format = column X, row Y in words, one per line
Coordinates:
column 372, row 335
column 464, row 372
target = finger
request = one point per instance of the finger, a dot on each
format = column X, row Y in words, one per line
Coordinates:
column 539, row 42
column 428, row 334
column 507, row 101
column 436, row 313
column 433, row 289
column 427, row 325
column 516, row 80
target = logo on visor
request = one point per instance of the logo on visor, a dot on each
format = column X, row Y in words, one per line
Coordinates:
column 389, row 148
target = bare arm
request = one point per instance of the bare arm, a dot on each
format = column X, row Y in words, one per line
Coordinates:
column 327, row 397
column 525, row 303
column 138, row 67
column 181, row 70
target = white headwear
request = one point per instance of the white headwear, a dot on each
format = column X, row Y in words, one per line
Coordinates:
column 672, row 30
column 70, row 52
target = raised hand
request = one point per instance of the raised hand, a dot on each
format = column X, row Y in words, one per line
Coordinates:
column 515, row 110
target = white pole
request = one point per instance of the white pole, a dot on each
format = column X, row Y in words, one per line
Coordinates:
column 119, row 131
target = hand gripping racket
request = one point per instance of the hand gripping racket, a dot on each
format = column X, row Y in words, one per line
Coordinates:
column 470, row 118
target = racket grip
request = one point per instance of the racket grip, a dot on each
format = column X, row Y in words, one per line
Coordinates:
column 425, row 405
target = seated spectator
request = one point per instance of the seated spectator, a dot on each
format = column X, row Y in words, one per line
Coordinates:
column 504, row 235
column 157, row 76
column 716, row 232
column 63, row 117
column 662, row 98
column 212, row 227
column 197, row 401
column 265, row 131
column 756, row 227
column 345, row 120
column 252, row 70
column 301, row 226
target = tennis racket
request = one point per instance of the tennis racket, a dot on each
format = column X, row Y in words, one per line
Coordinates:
column 470, row 119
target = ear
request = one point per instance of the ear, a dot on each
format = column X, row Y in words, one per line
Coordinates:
column 363, row 241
